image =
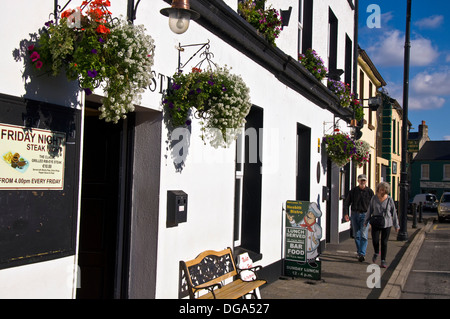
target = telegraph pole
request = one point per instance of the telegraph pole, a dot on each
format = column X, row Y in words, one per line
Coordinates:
column 403, row 232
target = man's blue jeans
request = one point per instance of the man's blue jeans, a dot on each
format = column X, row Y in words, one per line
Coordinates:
column 360, row 232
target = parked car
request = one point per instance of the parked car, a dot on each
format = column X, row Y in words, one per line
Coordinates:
column 429, row 201
column 444, row 207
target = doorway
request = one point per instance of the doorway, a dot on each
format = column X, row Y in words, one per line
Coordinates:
column 103, row 244
column 303, row 162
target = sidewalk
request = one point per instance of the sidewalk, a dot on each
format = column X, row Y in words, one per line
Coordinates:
column 344, row 277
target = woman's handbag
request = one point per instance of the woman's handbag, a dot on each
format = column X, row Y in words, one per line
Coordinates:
column 378, row 221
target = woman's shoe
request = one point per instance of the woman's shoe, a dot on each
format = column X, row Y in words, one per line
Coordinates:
column 383, row 264
column 374, row 258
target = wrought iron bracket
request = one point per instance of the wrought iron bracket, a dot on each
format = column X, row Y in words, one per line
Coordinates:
column 206, row 54
column 57, row 10
column 131, row 10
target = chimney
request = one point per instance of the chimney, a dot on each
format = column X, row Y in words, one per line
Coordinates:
column 423, row 130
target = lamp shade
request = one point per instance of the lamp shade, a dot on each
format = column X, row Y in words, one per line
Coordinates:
column 179, row 15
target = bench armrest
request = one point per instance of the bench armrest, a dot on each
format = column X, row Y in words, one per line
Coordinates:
column 210, row 288
column 252, row 269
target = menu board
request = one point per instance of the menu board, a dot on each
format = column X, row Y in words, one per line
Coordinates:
column 31, row 158
column 302, row 240
column 40, row 147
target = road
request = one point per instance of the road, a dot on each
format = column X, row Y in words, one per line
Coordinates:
column 430, row 274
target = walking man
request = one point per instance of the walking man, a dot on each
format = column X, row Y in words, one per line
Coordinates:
column 359, row 198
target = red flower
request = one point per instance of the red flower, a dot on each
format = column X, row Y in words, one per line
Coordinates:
column 34, row 56
column 102, row 29
column 67, row 13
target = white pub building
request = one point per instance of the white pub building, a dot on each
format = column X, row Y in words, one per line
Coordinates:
column 109, row 210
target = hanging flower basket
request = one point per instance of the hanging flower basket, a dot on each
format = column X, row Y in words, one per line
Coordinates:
column 362, row 153
column 358, row 109
column 342, row 91
column 340, row 148
column 266, row 21
column 220, row 99
column 313, row 63
column 91, row 47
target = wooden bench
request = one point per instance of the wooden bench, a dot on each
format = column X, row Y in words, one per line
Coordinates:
column 210, row 269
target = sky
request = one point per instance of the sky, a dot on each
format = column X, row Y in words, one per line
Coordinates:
column 382, row 28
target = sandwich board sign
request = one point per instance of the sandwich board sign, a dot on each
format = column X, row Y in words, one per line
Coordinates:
column 302, row 240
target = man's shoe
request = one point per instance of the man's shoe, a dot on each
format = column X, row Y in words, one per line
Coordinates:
column 361, row 258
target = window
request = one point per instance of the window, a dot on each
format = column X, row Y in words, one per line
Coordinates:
column 425, row 171
column 394, row 136
column 348, row 59
column 446, row 172
column 300, row 26
column 332, row 41
column 305, row 16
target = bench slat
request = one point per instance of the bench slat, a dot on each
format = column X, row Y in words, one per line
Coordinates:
column 234, row 290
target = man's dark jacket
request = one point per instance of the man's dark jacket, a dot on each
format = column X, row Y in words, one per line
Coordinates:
column 359, row 199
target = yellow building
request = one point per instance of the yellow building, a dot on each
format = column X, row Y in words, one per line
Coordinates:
column 369, row 81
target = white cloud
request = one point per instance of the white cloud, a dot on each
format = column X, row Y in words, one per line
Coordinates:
column 446, row 137
column 389, row 50
column 447, row 58
column 432, row 22
column 417, row 100
column 386, row 17
column 436, row 83
column 430, row 102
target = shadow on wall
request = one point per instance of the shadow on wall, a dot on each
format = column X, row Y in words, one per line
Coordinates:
column 41, row 85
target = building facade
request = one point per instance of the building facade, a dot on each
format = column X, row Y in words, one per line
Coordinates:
column 389, row 144
column 369, row 82
column 430, row 169
column 105, row 229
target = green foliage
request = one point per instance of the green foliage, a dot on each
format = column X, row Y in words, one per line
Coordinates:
column 340, row 148
column 266, row 22
column 313, row 63
column 97, row 50
column 220, row 98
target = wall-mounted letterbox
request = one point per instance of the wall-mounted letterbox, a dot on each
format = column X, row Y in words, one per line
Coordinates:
column 176, row 208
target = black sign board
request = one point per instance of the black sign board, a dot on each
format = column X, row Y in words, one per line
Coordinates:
column 302, row 234
column 39, row 223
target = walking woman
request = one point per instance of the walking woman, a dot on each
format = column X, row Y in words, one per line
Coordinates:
column 382, row 215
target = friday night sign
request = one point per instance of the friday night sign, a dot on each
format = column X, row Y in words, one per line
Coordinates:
column 31, row 158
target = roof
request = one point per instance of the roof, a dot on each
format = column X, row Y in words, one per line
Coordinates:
column 434, row 150
column 363, row 54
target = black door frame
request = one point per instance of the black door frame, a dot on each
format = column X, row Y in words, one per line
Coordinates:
column 123, row 222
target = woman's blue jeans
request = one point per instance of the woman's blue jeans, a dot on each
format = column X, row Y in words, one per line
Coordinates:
column 360, row 232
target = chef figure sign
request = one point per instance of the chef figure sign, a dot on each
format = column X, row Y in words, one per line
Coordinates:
column 313, row 231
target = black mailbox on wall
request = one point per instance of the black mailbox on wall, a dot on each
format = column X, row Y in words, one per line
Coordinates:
column 176, row 208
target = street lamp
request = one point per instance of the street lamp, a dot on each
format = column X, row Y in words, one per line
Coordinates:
column 403, row 233
column 179, row 15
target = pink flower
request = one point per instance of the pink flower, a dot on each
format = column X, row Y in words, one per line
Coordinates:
column 34, row 56
column 39, row 64
column 31, row 47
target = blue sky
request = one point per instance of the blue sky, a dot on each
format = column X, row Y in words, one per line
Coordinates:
column 429, row 81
